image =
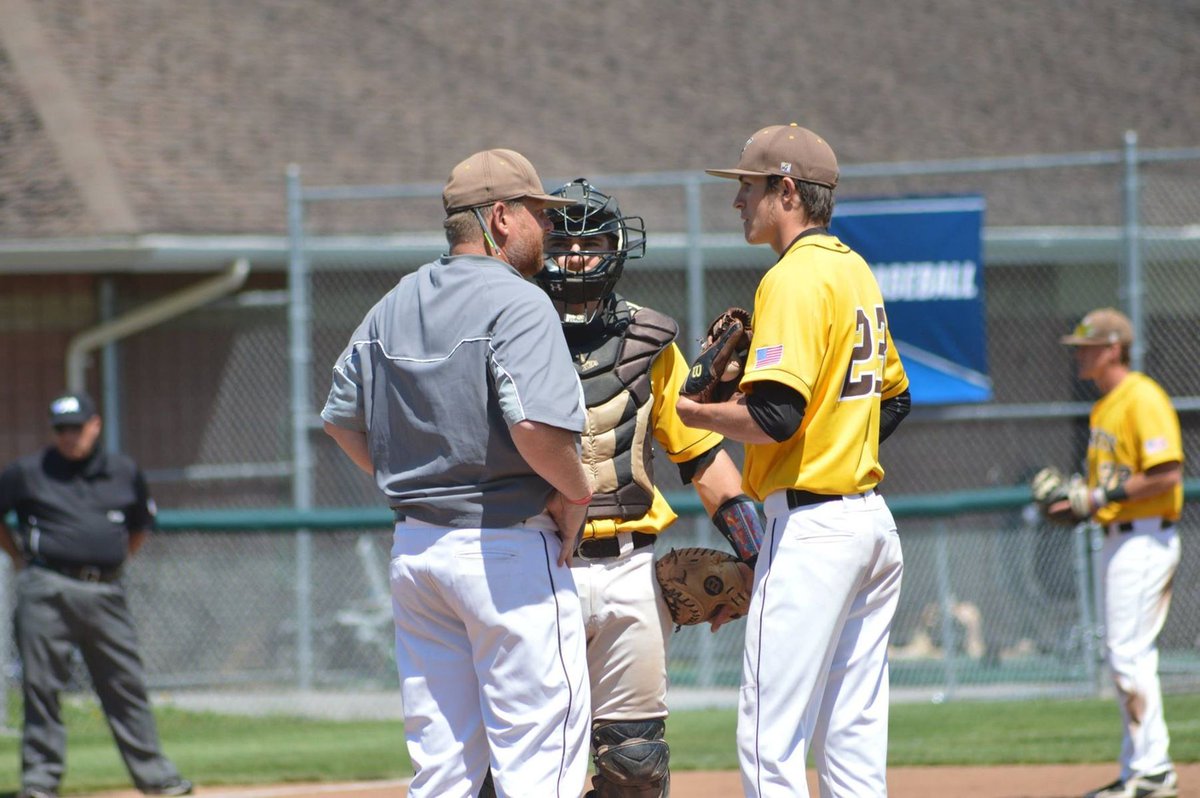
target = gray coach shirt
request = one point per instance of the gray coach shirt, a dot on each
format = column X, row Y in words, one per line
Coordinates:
column 438, row 371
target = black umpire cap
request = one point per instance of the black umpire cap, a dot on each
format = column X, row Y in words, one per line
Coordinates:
column 71, row 408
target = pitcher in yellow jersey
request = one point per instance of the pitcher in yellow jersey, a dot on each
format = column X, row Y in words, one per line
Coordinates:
column 823, row 386
column 1134, row 490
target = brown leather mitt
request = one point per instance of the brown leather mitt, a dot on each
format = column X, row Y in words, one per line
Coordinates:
column 717, row 371
column 696, row 582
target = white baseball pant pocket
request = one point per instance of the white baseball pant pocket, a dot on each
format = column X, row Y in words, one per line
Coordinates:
column 489, row 644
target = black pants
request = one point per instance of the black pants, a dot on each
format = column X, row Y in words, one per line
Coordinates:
column 54, row 615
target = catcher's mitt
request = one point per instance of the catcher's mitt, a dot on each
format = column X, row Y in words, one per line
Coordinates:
column 697, row 582
column 718, row 369
column 1050, row 486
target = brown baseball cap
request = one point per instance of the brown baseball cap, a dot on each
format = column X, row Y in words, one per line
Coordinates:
column 789, row 151
column 1103, row 326
column 492, row 176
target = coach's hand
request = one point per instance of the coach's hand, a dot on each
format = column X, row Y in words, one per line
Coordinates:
column 570, row 517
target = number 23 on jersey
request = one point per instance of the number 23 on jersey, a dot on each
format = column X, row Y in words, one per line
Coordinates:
column 864, row 374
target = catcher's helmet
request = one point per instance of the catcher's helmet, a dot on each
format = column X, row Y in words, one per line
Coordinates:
column 593, row 213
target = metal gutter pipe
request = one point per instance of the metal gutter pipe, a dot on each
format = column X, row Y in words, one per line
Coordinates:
column 229, row 280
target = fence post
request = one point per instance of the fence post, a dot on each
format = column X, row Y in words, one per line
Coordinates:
column 697, row 323
column 946, row 599
column 1104, row 686
column 706, row 656
column 1087, row 617
column 110, row 380
column 1132, row 287
column 6, row 653
column 299, row 360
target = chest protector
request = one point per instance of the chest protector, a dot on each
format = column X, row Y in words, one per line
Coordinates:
column 616, row 445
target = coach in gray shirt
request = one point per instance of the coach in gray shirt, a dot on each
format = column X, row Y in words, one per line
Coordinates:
column 458, row 395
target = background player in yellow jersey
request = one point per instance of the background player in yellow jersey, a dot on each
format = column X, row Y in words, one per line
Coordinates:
column 823, row 386
column 1134, row 491
column 631, row 371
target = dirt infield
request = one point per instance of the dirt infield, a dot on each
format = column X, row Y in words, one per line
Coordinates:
column 1015, row 781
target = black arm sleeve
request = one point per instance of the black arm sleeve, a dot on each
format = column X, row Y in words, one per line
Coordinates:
column 892, row 412
column 10, row 489
column 142, row 515
column 689, row 468
column 777, row 409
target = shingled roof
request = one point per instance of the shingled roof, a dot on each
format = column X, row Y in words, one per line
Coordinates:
column 180, row 116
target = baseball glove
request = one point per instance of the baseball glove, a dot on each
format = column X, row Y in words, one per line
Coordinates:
column 1050, row 486
column 697, row 582
column 718, row 369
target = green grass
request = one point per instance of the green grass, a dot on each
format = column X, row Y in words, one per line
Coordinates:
column 1027, row 732
column 215, row 749
column 219, row 749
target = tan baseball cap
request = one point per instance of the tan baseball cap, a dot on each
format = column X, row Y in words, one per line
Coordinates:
column 491, row 176
column 1103, row 326
column 789, row 151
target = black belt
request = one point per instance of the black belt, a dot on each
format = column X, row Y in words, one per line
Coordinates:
column 599, row 548
column 1125, row 527
column 803, row 498
column 84, row 573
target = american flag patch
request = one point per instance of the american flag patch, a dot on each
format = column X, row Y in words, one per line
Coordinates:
column 768, row 356
column 1155, row 445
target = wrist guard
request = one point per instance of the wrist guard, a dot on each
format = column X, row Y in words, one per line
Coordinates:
column 737, row 520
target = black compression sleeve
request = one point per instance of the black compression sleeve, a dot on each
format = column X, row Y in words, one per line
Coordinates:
column 777, row 409
column 892, row 412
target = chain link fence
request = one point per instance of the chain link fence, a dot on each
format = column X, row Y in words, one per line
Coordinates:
column 993, row 604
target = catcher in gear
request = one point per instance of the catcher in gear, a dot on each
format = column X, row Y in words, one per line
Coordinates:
column 631, row 371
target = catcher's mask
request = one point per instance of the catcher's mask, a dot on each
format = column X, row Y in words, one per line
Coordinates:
column 592, row 215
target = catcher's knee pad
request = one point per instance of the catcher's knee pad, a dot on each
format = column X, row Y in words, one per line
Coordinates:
column 631, row 759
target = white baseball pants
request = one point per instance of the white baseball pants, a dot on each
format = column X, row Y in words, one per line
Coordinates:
column 1137, row 569
column 628, row 629
column 816, row 671
column 490, row 650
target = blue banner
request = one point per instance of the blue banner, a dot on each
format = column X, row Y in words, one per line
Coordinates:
column 926, row 253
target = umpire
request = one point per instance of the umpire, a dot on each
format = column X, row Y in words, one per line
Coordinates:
column 80, row 512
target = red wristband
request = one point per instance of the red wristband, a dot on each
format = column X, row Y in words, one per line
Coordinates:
column 586, row 500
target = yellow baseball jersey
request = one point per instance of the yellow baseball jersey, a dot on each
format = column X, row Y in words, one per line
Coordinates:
column 821, row 329
column 1132, row 429
column 681, row 443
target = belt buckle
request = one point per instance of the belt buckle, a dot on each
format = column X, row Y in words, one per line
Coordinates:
column 581, row 554
column 603, row 546
column 89, row 573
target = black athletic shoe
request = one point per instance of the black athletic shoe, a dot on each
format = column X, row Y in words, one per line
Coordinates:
column 1118, row 789
column 1158, row 785
column 178, row 787
column 36, row 792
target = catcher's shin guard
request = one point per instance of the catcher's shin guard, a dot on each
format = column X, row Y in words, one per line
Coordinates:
column 631, row 759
